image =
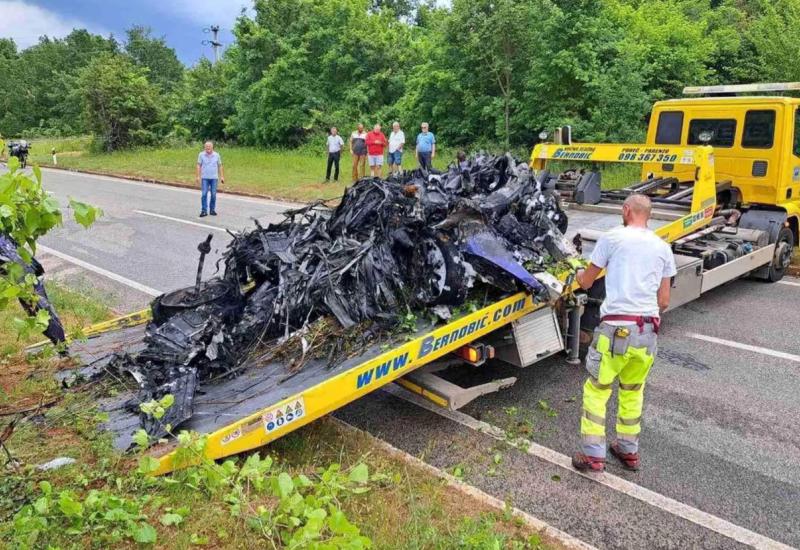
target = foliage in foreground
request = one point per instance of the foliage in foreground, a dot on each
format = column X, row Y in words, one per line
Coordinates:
column 286, row 511
column 28, row 212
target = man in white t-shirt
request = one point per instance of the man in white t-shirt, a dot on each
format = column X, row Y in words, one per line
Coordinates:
column 397, row 139
column 639, row 268
column 334, row 148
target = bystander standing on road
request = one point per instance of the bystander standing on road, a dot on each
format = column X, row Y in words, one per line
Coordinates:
column 376, row 144
column 358, row 148
column 426, row 147
column 209, row 171
column 335, row 144
column 639, row 268
column 397, row 139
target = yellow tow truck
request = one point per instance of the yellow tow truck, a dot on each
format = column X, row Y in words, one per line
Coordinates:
column 728, row 208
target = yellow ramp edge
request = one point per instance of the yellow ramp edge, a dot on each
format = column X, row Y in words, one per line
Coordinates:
column 275, row 421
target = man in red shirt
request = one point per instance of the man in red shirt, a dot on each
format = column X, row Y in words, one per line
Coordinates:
column 376, row 143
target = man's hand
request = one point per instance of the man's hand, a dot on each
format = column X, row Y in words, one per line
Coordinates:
column 586, row 277
column 222, row 180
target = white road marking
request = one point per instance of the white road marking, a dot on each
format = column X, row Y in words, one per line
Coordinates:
column 100, row 271
column 672, row 506
column 163, row 187
column 789, row 283
column 566, row 539
column 746, row 347
column 179, row 220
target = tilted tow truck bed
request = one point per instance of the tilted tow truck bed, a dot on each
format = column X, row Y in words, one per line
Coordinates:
column 265, row 402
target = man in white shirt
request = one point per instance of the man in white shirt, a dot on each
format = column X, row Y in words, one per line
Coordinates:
column 639, row 268
column 334, row 148
column 209, row 171
column 397, row 139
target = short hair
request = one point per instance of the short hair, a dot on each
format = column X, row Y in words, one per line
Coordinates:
column 333, row 128
column 424, row 124
column 639, row 204
column 395, row 122
column 207, row 142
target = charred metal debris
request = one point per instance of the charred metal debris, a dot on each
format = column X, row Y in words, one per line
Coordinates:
column 420, row 240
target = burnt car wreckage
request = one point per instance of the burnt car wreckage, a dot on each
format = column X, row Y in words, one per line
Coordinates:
column 407, row 243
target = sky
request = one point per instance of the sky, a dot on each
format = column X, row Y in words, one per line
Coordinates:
column 181, row 22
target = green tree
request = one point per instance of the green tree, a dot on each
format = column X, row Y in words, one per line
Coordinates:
column 775, row 41
column 165, row 69
column 301, row 65
column 38, row 93
column 203, row 103
column 120, row 105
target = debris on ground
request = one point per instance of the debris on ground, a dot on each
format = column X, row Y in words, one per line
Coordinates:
column 56, row 463
column 411, row 242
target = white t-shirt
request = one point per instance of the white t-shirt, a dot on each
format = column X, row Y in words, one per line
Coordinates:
column 396, row 139
column 335, row 143
column 636, row 260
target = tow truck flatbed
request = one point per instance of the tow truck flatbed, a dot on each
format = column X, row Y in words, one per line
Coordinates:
column 265, row 402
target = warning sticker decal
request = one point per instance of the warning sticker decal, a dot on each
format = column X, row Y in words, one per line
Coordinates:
column 283, row 415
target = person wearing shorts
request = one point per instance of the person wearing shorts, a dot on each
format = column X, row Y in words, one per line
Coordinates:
column 376, row 144
column 397, row 139
column 358, row 149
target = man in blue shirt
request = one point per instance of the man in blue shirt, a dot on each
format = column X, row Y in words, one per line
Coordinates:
column 426, row 147
column 209, row 170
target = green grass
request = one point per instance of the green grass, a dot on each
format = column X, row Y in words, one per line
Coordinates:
column 288, row 174
column 76, row 308
column 615, row 175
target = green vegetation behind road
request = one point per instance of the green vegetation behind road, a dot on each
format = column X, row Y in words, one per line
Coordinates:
column 477, row 70
column 295, row 174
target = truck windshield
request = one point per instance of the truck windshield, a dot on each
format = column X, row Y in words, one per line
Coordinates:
column 722, row 131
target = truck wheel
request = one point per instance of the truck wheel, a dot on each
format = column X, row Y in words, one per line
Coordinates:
column 784, row 245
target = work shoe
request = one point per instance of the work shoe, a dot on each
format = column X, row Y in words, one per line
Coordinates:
column 630, row 461
column 203, row 214
column 586, row 463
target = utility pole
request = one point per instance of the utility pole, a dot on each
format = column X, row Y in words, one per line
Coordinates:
column 214, row 42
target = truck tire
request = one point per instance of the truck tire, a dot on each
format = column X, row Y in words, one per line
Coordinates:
column 784, row 244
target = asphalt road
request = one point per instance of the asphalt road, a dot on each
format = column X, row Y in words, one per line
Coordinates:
column 720, row 440
column 148, row 234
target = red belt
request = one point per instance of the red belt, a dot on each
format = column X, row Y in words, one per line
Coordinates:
column 638, row 319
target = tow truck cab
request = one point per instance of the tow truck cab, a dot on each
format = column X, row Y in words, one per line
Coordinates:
column 756, row 142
